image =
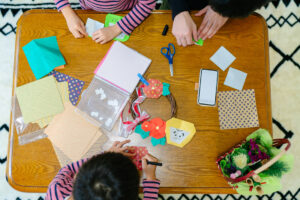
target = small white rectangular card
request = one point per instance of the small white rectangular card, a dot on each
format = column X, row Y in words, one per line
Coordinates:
column 208, row 84
column 222, row 58
column 92, row 26
column 235, row 78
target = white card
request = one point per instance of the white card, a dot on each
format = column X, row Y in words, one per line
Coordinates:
column 121, row 66
column 92, row 26
column 235, row 78
column 222, row 58
column 207, row 87
column 177, row 135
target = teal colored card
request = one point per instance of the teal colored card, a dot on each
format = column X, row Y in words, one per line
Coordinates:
column 43, row 56
column 111, row 20
column 199, row 42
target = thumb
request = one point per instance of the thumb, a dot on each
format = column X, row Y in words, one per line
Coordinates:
column 201, row 12
column 144, row 163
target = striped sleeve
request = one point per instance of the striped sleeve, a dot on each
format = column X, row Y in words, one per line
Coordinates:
column 62, row 184
column 151, row 189
column 136, row 16
column 61, row 4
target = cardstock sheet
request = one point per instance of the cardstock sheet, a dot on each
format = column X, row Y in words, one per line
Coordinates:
column 64, row 93
column 111, row 20
column 222, row 58
column 39, row 99
column 75, row 85
column 235, row 78
column 71, row 132
column 92, row 26
column 127, row 63
column 43, row 55
column 237, row 109
column 140, row 153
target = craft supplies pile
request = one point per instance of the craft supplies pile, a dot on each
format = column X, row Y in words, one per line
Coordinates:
column 79, row 123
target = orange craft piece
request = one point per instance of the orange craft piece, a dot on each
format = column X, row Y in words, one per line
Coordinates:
column 154, row 89
column 156, row 126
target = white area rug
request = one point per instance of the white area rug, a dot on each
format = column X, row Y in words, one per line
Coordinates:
column 283, row 19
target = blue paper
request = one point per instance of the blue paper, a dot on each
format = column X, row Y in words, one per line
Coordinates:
column 140, row 131
column 43, row 56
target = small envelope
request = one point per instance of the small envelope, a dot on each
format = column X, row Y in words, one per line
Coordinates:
column 222, row 58
column 235, row 78
column 92, row 26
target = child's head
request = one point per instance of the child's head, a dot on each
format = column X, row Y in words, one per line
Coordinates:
column 108, row 176
column 236, row 8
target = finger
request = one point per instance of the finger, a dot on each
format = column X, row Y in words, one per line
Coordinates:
column 116, row 143
column 83, row 29
column 201, row 12
column 206, row 31
column 96, row 35
column 189, row 39
column 76, row 34
column 178, row 41
column 144, row 162
column 211, row 30
column 195, row 34
column 183, row 41
column 149, row 157
column 99, row 40
column 128, row 154
column 122, row 143
column 212, row 33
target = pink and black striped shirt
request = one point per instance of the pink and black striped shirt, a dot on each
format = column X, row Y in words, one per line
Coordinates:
column 61, row 186
column 140, row 9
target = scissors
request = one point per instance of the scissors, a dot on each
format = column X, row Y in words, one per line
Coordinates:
column 169, row 53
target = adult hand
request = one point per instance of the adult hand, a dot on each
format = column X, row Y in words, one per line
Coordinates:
column 211, row 23
column 118, row 147
column 106, row 34
column 149, row 170
column 75, row 25
column 184, row 29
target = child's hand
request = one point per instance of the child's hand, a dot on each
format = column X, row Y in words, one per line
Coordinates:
column 106, row 34
column 118, row 148
column 75, row 25
column 149, row 170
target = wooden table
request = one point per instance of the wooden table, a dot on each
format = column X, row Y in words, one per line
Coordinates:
column 192, row 169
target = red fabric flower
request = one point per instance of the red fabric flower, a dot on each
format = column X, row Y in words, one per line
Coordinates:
column 154, row 89
column 156, row 126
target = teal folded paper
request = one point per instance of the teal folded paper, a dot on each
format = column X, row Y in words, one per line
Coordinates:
column 140, row 131
column 43, row 56
column 161, row 141
column 166, row 90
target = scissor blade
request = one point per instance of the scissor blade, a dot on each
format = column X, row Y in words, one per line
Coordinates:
column 171, row 69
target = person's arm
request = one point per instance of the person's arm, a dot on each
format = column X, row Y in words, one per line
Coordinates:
column 136, row 16
column 151, row 188
column 178, row 6
column 61, row 4
column 62, row 184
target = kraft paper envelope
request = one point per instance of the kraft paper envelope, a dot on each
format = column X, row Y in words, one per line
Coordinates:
column 43, row 55
column 71, row 132
column 39, row 99
column 64, row 93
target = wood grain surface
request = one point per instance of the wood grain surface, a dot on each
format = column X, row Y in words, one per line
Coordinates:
column 191, row 169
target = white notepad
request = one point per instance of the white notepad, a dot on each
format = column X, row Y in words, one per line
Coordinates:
column 121, row 65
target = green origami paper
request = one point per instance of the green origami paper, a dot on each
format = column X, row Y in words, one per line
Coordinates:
column 43, row 56
column 161, row 141
column 141, row 132
column 166, row 90
column 199, row 42
column 112, row 19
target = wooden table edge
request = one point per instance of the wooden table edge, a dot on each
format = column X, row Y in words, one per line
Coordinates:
column 165, row 190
